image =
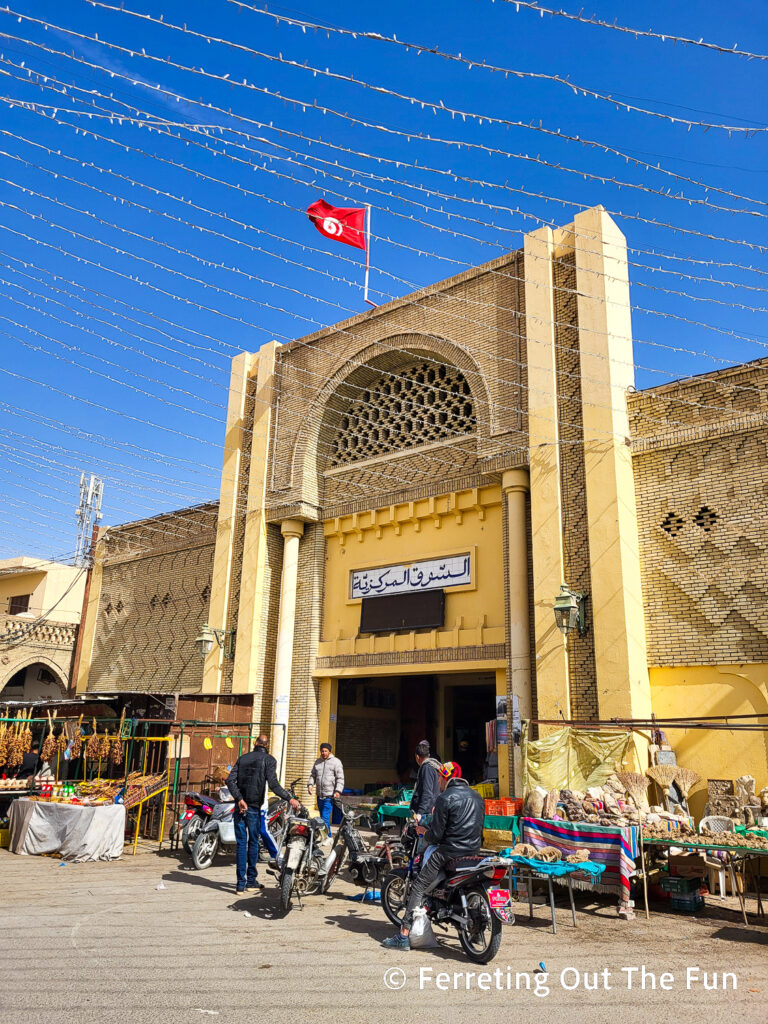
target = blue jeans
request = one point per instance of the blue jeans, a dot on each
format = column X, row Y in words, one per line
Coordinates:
column 247, row 829
column 266, row 836
column 325, row 806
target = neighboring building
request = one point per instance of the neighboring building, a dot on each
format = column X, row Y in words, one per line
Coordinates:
column 474, row 444
column 40, row 607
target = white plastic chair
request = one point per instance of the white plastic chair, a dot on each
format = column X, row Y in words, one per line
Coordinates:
column 713, row 824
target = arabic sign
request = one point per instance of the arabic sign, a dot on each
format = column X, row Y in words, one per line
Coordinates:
column 435, row 574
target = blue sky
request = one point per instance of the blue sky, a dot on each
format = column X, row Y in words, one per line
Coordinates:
column 121, row 303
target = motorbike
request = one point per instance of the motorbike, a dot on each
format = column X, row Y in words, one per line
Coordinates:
column 301, row 859
column 197, row 810
column 365, row 866
column 463, row 897
column 219, row 832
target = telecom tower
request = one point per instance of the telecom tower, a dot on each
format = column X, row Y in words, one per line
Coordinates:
column 88, row 514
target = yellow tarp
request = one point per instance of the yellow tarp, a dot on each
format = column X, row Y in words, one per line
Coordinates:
column 572, row 758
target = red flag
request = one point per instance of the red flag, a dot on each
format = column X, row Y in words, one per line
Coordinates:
column 341, row 225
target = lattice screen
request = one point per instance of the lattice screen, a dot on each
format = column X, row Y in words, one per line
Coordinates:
column 422, row 404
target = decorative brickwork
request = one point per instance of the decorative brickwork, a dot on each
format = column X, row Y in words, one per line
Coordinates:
column 581, row 650
column 488, row 652
column 156, row 583
column 419, row 405
column 701, row 502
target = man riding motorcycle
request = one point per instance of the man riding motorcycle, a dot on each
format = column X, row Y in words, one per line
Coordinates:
column 456, row 830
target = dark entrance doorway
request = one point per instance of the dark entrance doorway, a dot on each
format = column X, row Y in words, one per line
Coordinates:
column 470, row 708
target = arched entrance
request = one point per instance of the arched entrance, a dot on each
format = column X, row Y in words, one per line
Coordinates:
column 36, row 680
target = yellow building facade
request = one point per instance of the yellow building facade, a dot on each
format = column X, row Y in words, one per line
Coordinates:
column 403, row 495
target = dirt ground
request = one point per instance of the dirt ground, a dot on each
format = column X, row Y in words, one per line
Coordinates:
column 101, row 943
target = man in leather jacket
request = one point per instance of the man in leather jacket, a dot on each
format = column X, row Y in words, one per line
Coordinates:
column 247, row 782
column 457, row 831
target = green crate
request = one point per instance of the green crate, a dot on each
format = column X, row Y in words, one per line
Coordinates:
column 689, row 904
column 680, row 885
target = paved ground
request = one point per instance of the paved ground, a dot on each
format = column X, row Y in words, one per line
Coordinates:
column 99, row 943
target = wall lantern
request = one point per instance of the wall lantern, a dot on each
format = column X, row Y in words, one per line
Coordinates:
column 209, row 635
column 570, row 611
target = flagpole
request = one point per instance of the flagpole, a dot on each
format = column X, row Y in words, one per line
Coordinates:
column 367, row 256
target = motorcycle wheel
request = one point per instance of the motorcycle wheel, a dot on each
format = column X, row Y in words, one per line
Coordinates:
column 482, row 939
column 286, row 888
column 394, row 895
column 190, row 832
column 204, row 849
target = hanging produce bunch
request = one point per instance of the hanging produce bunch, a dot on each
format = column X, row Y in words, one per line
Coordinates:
column 116, row 750
column 26, row 736
column 93, row 745
column 77, row 742
column 3, row 743
column 49, row 743
column 15, row 753
column 62, row 740
column 105, row 745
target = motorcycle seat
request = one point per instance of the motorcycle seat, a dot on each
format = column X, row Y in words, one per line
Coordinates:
column 462, row 863
column 317, row 822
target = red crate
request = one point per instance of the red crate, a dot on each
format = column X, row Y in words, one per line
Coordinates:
column 506, row 808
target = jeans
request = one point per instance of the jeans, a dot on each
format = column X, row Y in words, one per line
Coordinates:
column 247, row 829
column 266, row 836
column 325, row 806
column 423, row 882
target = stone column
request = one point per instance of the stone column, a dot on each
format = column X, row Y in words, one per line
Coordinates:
column 292, row 531
column 515, row 484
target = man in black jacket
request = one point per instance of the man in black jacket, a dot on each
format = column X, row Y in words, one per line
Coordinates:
column 427, row 788
column 247, row 782
column 456, row 829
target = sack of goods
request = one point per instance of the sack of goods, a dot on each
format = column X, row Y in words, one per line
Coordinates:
column 421, row 935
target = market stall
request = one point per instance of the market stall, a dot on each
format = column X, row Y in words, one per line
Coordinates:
column 75, row 832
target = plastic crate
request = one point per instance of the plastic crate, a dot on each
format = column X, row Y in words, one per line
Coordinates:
column 505, row 808
column 690, row 903
column 487, row 790
column 678, row 884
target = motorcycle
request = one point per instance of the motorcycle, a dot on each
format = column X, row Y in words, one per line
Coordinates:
column 219, row 832
column 197, row 810
column 365, row 866
column 301, row 858
column 463, row 897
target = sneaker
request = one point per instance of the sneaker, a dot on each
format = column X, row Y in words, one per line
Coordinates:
column 397, row 941
column 253, row 887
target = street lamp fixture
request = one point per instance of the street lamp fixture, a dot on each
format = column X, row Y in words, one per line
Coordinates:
column 570, row 611
column 208, row 636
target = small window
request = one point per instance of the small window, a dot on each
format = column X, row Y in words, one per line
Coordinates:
column 19, row 604
column 705, row 518
column 672, row 523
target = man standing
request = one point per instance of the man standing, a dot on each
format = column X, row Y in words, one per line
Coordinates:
column 247, row 782
column 327, row 777
column 427, row 788
column 456, row 830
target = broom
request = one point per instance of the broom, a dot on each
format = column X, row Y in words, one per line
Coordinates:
column 663, row 775
column 686, row 779
column 637, row 787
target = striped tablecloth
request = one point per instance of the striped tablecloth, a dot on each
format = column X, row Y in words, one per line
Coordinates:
column 616, row 848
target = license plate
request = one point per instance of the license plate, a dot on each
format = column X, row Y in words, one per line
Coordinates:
column 501, row 904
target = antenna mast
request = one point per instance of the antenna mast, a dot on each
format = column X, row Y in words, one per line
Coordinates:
column 88, row 514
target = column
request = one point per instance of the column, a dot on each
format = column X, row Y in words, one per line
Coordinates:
column 292, row 531
column 552, row 689
column 327, row 710
column 224, row 552
column 515, row 484
column 605, row 345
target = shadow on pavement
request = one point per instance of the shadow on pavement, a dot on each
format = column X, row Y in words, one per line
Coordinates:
column 198, row 878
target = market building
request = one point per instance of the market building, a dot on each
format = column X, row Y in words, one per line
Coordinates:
column 404, row 495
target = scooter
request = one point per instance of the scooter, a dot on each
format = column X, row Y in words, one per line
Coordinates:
column 219, row 832
column 197, row 810
column 365, row 866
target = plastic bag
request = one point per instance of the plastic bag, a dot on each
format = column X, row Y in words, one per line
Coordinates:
column 421, row 934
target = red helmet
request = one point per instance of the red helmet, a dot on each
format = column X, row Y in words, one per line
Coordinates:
column 450, row 770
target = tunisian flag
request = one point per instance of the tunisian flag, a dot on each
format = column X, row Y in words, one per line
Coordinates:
column 342, row 225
